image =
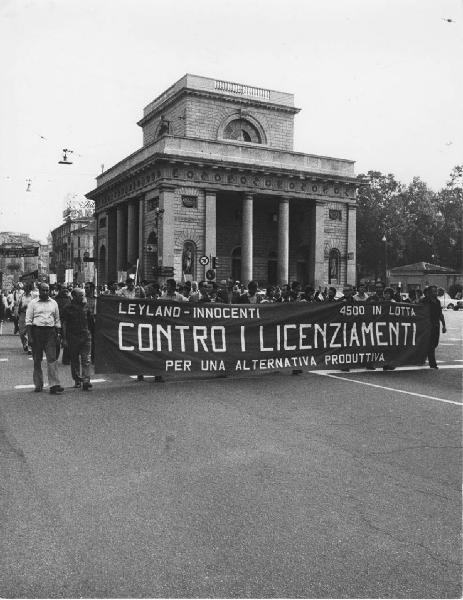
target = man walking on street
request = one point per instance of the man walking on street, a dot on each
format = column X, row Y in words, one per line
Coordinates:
column 77, row 336
column 43, row 328
column 437, row 318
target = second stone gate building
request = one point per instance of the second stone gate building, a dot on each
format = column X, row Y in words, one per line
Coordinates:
column 217, row 178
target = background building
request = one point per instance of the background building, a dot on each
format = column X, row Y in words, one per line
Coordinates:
column 217, row 177
column 21, row 257
column 73, row 242
column 421, row 274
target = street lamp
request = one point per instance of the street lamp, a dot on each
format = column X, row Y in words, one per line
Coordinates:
column 384, row 239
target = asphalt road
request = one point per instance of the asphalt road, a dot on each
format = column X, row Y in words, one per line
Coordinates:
column 331, row 485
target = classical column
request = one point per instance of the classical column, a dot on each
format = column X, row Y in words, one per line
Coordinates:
column 121, row 249
column 141, row 238
column 132, row 233
column 111, row 245
column 283, row 241
column 210, row 245
column 246, row 239
column 166, row 242
column 351, row 275
column 318, row 244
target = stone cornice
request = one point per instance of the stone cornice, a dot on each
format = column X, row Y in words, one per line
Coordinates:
column 171, row 174
column 224, row 153
column 216, row 97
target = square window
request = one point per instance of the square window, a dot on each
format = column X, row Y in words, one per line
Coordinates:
column 335, row 215
column 190, row 201
column 152, row 203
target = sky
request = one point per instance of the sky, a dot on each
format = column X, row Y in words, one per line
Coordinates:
column 378, row 81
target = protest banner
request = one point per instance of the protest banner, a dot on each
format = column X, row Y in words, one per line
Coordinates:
column 138, row 336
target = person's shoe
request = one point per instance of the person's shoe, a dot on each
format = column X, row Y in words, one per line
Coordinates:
column 26, row 349
column 370, row 368
column 78, row 384
column 56, row 390
column 87, row 387
column 38, row 388
column 388, row 368
column 433, row 367
column 29, row 352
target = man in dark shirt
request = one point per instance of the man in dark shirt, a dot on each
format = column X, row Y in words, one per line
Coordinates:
column 76, row 335
column 435, row 313
column 378, row 296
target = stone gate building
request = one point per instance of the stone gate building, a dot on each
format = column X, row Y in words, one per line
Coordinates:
column 217, row 177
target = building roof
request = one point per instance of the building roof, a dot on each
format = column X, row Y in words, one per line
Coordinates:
column 422, row 267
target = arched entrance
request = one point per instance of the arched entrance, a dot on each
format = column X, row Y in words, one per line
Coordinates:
column 189, row 261
column 334, row 266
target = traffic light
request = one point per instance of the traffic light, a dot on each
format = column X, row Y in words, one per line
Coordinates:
column 215, row 263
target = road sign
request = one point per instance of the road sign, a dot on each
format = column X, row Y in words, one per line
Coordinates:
column 18, row 251
column 163, row 271
column 204, row 260
column 210, row 274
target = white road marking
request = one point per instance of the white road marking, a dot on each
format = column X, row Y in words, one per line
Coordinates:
column 98, row 380
column 380, row 370
column 25, row 387
column 389, row 389
column 145, row 376
column 4, row 359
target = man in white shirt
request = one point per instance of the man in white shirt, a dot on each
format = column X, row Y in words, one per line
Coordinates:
column 43, row 329
column 171, row 292
column 361, row 295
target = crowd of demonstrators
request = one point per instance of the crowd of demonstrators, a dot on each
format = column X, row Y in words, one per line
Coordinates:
column 50, row 317
column 44, row 317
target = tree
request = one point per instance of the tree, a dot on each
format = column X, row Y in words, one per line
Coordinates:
column 448, row 240
column 379, row 213
column 422, row 220
column 419, row 224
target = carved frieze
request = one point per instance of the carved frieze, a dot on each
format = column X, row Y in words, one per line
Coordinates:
column 223, row 178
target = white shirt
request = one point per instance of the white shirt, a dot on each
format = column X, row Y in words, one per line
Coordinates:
column 176, row 296
column 43, row 313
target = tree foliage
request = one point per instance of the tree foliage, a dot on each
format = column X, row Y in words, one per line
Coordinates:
column 418, row 223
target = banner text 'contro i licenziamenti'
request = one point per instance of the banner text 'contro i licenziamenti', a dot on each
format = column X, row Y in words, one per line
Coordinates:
column 157, row 337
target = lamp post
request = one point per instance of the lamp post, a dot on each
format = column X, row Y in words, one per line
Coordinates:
column 384, row 239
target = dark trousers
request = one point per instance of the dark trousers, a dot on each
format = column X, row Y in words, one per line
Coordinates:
column 433, row 343
column 79, row 352
column 44, row 340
